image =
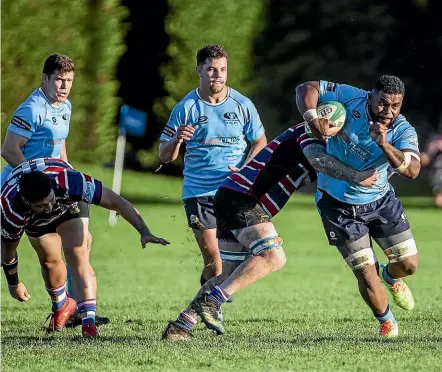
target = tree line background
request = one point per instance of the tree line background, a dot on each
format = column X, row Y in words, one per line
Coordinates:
column 143, row 54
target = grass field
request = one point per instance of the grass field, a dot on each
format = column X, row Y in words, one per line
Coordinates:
column 307, row 317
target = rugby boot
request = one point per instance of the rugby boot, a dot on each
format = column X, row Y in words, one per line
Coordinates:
column 75, row 320
column 89, row 331
column 59, row 317
column 388, row 329
column 400, row 291
column 209, row 313
column 173, row 332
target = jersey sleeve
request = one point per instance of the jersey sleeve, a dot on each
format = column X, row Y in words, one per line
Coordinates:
column 80, row 186
column 25, row 121
column 12, row 224
column 407, row 140
column 176, row 118
column 329, row 91
column 254, row 129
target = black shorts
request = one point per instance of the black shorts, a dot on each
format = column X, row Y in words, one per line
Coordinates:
column 235, row 211
column 37, row 231
column 199, row 212
column 346, row 223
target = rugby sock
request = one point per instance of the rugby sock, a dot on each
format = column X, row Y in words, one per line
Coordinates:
column 202, row 280
column 185, row 321
column 58, row 296
column 87, row 310
column 387, row 277
column 218, row 295
column 386, row 315
column 69, row 283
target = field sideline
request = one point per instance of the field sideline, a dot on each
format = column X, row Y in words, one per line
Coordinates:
column 308, row 317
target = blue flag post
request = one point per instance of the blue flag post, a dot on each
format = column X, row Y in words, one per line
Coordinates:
column 132, row 123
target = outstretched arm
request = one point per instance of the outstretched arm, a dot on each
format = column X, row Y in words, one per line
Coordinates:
column 327, row 164
column 111, row 200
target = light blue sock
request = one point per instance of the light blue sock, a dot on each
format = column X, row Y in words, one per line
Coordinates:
column 386, row 315
column 387, row 276
column 69, row 284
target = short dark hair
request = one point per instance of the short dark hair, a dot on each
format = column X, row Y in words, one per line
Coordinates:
column 35, row 186
column 58, row 62
column 210, row 51
column 389, row 84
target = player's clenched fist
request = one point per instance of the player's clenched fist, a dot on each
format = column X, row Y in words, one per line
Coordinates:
column 185, row 132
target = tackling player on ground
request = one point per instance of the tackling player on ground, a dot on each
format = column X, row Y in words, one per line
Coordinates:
column 377, row 136
column 40, row 199
column 215, row 122
column 244, row 205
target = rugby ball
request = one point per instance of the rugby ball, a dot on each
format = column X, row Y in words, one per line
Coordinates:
column 334, row 111
column 331, row 110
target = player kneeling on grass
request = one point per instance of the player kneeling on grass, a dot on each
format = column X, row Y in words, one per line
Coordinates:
column 244, row 205
column 40, row 198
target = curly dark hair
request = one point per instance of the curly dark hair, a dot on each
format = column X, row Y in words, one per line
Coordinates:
column 389, row 84
column 58, row 62
column 209, row 52
column 35, row 186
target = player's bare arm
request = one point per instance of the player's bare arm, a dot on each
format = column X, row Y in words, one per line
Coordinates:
column 307, row 96
column 255, row 148
column 169, row 150
column 327, row 164
column 10, row 266
column 112, row 201
column 64, row 154
column 11, row 149
column 406, row 162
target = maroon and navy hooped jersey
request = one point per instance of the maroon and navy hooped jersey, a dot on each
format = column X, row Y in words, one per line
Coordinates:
column 69, row 188
column 279, row 169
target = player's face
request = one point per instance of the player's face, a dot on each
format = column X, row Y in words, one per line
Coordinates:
column 213, row 74
column 57, row 86
column 385, row 108
column 45, row 205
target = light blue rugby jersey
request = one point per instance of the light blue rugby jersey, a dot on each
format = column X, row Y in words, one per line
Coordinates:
column 219, row 140
column 354, row 147
column 43, row 124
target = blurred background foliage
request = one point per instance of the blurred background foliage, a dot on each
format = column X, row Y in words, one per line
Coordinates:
column 143, row 54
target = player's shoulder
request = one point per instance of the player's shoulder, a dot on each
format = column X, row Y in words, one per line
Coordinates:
column 188, row 101
column 401, row 124
column 240, row 98
column 34, row 103
column 67, row 104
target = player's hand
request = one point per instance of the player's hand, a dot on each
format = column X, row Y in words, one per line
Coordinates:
column 425, row 159
column 19, row 292
column 185, row 132
column 234, row 169
column 378, row 133
column 150, row 238
column 325, row 127
column 368, row 178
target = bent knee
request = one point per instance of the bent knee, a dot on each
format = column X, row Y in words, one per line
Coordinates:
column 276, row 257
column 409, row 265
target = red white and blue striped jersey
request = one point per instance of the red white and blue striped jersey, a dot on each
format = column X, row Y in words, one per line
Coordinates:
column 279, row 169
column 69, row 188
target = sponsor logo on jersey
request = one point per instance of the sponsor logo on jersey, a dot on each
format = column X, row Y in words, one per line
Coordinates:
column 331, row 87
column 203, row 119
column 20, row 123
column 356, row 114
column 169, row 132
column 65, row 116
column 220, row 141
